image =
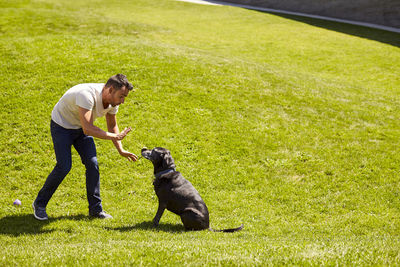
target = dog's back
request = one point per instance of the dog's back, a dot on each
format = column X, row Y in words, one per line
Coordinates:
column 177, row 194
column 181, row 198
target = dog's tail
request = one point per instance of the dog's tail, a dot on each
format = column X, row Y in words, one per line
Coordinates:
column 228, row 230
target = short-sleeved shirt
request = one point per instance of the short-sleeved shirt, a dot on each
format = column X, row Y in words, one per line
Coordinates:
column 88, row 96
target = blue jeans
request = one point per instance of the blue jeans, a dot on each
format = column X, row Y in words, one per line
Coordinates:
column 63, row 139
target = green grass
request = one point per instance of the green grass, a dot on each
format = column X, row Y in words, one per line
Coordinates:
column 289, row 128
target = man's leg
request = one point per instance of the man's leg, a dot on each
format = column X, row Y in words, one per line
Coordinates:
column 62, row 141
column 87, row 150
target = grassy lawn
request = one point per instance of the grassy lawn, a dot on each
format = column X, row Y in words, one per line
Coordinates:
column 289, row 128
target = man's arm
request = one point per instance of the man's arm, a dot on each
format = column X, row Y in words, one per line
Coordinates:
column 88, row 128
column 113, row 128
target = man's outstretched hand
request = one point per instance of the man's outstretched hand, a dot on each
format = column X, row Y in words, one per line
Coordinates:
column 130, row 156
column 121, row 135
column 118, row 137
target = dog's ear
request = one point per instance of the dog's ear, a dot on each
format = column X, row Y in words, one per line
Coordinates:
column 168, row 161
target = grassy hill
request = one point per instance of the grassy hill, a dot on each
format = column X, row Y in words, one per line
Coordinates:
column 289, row 128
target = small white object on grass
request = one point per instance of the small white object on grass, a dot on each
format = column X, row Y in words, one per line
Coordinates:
column 17, row 202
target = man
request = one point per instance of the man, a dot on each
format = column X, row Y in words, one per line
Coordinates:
column 72, row 125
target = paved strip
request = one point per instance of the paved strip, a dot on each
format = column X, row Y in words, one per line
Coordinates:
column 200, row 2
column 365, row 24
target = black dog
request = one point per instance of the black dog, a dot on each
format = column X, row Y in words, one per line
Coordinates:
column 177, row 194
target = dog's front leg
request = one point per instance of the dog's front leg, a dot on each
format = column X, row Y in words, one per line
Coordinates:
column 160, row 211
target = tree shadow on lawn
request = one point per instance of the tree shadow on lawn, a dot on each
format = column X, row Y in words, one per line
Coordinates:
column 165, row 227
column 391, row 38
column 26, row 224
column 388, row 37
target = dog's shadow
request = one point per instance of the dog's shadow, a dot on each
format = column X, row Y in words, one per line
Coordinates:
column 26, row 224
column 148, row 226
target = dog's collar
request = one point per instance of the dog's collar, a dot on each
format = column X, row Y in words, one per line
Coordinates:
column 161, row 173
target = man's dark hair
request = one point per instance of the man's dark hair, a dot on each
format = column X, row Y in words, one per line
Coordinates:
column 118, row 81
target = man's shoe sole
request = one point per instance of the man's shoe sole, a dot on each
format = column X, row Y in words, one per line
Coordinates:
column 34, row 214
column 96, row 216
column 101, row 218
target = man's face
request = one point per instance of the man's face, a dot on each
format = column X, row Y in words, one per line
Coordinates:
column 118, row 96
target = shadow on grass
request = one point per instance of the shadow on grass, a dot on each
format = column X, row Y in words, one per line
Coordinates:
column 26, row 224
column 172, row 228
column 382, row 36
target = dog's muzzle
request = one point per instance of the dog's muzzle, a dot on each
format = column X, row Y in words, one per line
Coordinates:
column 146, row 153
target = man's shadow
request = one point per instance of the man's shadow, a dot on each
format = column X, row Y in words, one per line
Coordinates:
column 165, row 227
column 26, row 224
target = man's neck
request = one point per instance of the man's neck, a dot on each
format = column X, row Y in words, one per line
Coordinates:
column 104, row 97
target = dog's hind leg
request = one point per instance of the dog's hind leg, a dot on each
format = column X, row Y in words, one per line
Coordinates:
column 194, row 220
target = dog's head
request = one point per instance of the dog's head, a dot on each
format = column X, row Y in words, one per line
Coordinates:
column 160, row 157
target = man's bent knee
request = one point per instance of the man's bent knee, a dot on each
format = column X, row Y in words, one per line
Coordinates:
column 63, row 169
column 92, row 163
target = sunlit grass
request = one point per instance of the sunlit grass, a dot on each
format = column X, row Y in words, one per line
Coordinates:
column 288, row 128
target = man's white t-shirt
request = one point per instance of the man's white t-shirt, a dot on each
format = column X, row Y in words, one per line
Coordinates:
column 88, row 96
